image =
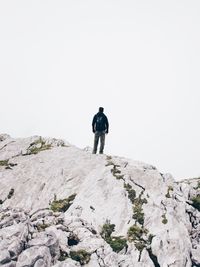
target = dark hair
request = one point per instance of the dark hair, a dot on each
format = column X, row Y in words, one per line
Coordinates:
column 101, row 109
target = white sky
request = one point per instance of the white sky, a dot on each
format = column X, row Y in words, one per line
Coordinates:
column 140, row 60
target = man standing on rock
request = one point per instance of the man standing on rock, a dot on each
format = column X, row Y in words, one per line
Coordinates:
column 100, row 127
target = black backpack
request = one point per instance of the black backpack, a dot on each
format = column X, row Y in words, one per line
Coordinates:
column 100, row 122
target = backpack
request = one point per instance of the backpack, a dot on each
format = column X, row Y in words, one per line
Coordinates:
column 100, row 124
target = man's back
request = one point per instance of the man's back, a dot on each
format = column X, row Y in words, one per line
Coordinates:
column 100, row 127
column 100, row 122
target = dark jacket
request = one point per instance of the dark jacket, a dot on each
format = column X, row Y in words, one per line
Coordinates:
column 100, row 123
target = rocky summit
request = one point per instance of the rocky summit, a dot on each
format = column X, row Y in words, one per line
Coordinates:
column 62, row 206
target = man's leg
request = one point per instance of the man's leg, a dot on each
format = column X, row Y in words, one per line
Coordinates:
column 96, row 141
column 102, row 140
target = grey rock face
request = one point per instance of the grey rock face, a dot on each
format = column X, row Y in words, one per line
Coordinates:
column 71, row 208
column 34, row 255
column 47, row 239
column 4, row 257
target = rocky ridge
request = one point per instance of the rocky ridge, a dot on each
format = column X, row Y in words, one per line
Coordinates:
column 62, row 206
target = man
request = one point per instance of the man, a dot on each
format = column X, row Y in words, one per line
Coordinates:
column 100, row 127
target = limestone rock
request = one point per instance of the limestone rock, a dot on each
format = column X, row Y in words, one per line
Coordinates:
column 63, row 206
column 31, row 256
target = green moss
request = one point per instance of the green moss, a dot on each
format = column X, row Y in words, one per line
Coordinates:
column 4, row 162
column 82, row 256
column 164, row 219
column 117, row 243
column 63, row 204
column 170, row 188
column 196, row 202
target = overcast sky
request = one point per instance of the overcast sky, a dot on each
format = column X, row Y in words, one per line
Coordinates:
column 140, row 60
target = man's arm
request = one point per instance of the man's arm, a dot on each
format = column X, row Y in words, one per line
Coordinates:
column 107, row 125
column 93, row 123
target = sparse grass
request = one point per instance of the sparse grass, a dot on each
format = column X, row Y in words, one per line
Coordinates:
column 108, row 157
column 62, row 205
column 117, row 243
column 138, row 213
column 63, row 255
column 82, row 256
column 196, row 202
column 131, row 192
column 4, row 162
column 107, row 229
column 140, row 237
column 38, row 146
column 136, row 234
column 116, row 172
column 11, row 193
column 36, row 150
column 41, row 227
column 170, row 188
column 164, row 219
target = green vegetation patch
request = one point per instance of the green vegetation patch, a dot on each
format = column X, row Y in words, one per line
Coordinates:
column 164, row 219
column 63, row 255
column 38, row 146
column 116, row 172
column 107, row 229
column 4, row 162
column 41, row 227
column 138, row 213
column 140, row 237
column 11, row 193
column 196, row 202
column 62, row 205
column 131, row 192
column 117, row 243
column 82, row 256
column 170, row 188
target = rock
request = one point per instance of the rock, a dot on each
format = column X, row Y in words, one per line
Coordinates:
column 196, row 255
column 15, row 248
column 123, row 212
column 10, row 264
column 4, row 137
column 30, row 256
column 67, row 263
column 48, row 240
column 4, row 257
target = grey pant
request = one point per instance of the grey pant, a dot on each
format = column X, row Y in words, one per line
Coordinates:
column 97, row 136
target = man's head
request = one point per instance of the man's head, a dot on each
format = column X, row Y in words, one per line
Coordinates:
column 101, row 109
